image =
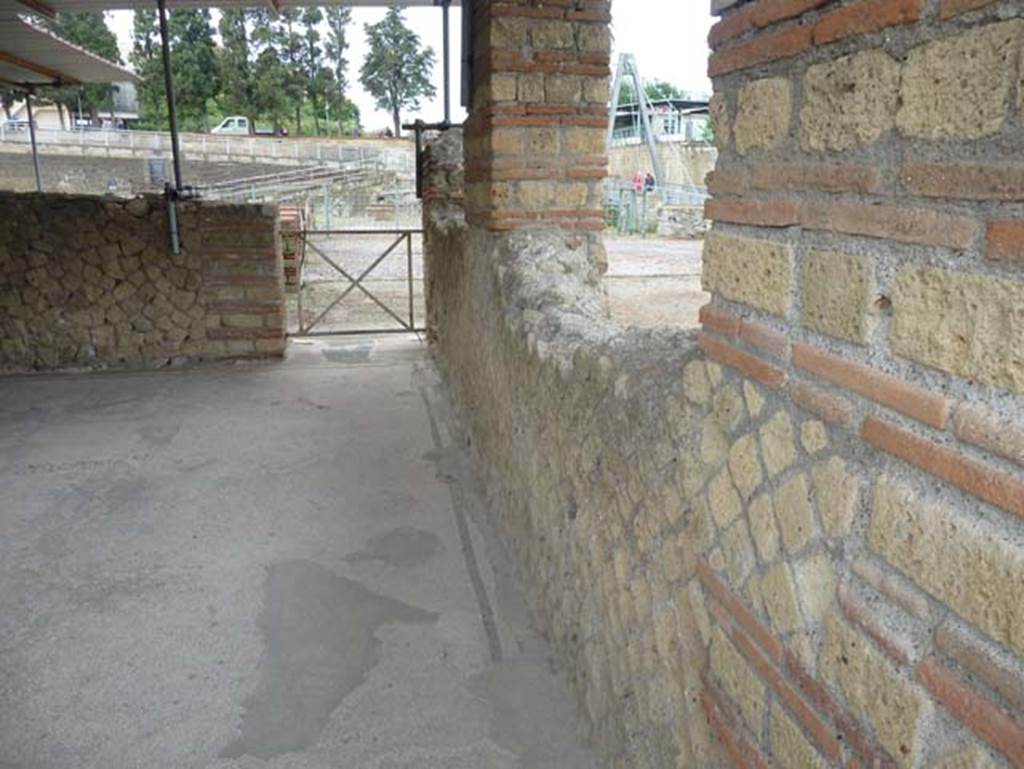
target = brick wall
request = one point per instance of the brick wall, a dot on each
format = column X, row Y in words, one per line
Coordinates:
column 90, row 282
column 863, row 589
column 535, row 154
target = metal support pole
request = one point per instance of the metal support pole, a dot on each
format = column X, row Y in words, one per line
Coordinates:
column 32, row 135
column 172, row 113
column 445, row 4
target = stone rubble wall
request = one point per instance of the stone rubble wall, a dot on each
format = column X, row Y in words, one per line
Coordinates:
column 584, row 435
column 795, row 539
column 90, row 282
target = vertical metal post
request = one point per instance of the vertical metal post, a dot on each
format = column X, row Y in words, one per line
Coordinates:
column 32, row 135
column 445, row 4
column 172, row 112
column 408, row 252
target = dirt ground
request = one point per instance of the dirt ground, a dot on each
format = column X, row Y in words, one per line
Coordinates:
column 654, row 282
column 651, row 282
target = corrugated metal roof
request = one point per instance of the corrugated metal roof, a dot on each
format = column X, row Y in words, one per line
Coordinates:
column 33, row 56
column 46, row 7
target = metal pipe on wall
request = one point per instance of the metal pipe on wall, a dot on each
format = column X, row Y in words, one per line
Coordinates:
column 32, row 135
column 445, row 6
column 165, row 46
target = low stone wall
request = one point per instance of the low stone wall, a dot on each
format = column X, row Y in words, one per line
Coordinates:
column 584, row 433
column 90, row 282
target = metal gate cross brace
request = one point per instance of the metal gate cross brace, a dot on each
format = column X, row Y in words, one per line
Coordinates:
column 357, row 283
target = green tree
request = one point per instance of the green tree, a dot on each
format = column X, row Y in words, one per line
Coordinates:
column 237, row 94
column 145, row 58
column 7, row 98
column 194, row 64
column 318, row 79
column 88, row 31
column 656, row 90
column 335, row 47
column 397, row 68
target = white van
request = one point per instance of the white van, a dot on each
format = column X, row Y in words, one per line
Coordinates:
column 236, row 124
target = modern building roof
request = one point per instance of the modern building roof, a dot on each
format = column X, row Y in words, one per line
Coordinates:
column 32, row 56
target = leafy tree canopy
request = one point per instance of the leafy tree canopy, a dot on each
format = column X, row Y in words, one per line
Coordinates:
column 397, row 68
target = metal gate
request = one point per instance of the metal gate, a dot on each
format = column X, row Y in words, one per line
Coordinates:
column 327, row 255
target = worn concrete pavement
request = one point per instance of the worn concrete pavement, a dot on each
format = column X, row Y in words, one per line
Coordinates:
column 261, row 565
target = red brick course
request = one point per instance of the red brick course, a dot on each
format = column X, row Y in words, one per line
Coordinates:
column 719, row 321
column 1005, row 241
column 978, row 713
column 951, row 8
column 747, row 364
column 993, row 486
column 889, row 391
column 866, row 17
column 831, row 408
column 964, row 181
column 795, row 177
column 759, row 15
column 740, row 748
column 919, row 226
column 980, row 658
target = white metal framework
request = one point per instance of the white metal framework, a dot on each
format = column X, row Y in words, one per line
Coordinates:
column 628, row 68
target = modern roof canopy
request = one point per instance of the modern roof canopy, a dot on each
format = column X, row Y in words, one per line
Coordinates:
column 31, row 56
column 52, row 7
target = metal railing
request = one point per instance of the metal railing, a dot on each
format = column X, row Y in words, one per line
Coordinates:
column 218, row 147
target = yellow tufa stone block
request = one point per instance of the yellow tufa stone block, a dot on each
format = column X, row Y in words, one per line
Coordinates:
column 836, row 493
column 778, row 448
column 816, row 583
column 960, row 87
column 738, row 680
column 724, row 500
column 763, row 528
column 720, row 124
column 763, row 114
column 874, row 687
column 728, row 407
column 838, row 293
column 755, row 401
column 714, row 443
column 849, row 102
column 738, row 552
column 696, row 385
column 695, row 598
column 795, row 514
column 780, row 599
column 964, row 323
column 814, row 436
column 745, row 465
column 789, row 748
column 755, row 272
column 965, row 561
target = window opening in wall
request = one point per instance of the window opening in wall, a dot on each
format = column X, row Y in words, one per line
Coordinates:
column 660, row 148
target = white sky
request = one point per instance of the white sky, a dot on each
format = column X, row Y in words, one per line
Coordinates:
column 670, row 43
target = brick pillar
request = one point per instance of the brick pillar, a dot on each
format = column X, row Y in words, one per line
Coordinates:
column 535, row 154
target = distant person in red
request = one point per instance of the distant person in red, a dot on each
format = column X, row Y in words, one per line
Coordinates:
column 638, row 181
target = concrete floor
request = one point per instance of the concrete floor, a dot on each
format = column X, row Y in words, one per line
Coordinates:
column 273, row 565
